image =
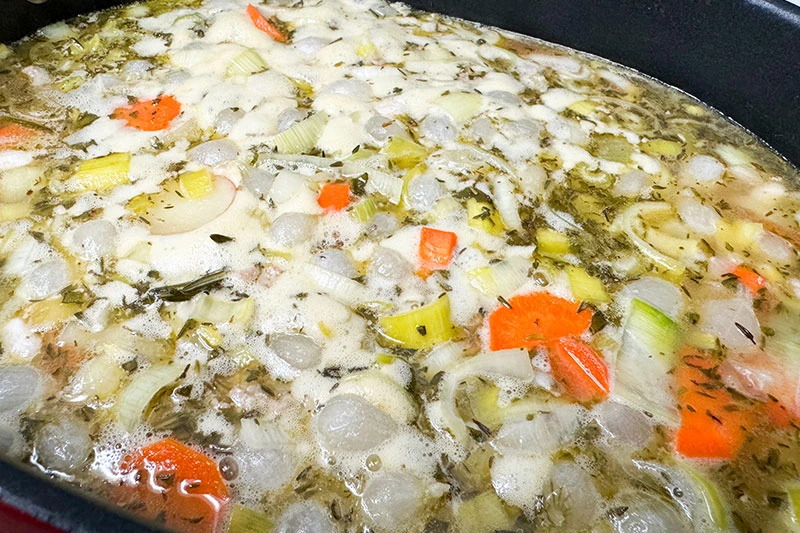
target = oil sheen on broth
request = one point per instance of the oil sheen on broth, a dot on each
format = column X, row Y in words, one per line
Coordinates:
column 346, row 266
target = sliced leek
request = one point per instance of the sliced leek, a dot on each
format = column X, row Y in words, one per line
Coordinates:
column 216, row 310
column 404, row 153
column 246, row 520
column 421, row 328
column 102, row 173
column 302, row 136
column 364, row 210
column 386, row 185
column 502, row 278
column 551, row 243
column 246, row 63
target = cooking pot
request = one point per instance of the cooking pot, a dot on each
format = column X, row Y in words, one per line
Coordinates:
column 740, row 56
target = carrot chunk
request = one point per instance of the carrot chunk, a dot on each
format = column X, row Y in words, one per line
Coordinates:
column 750, row 279
column 262, row 23
column 713, row 424
column 580, row 369
column 534, row 319
column 150, row 115
column 436, row 249
column 178, row 484
column 334, row 196
column 13, row 135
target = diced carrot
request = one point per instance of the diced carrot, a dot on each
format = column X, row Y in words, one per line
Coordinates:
column 14, row 135
column 262, row 23
column 749, row 278
column 334, row 196
column 150, row 115
column 535, row 319
column 580, row 369
column 178, row 484
column 714, row 424
column 436, row 248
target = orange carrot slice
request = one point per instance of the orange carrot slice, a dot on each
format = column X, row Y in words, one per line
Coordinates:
column 150, row 115
column 580, row 369
column 713, row 424
column 262, row 23
column 334, row 196
column 535, row 319
column 750, row 279
column 436, row 248
column 13, row 135
column 178, row 484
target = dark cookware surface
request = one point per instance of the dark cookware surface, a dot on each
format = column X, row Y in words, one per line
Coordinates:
column 742, row 57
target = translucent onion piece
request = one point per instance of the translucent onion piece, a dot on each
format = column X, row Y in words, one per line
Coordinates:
column 389, row 264
column 349, row 423
column 135, row 398
column 392, row 500
column 63, row 446
column 703, row 168
column 46, row 280
column 300, row 351
column 544, row 434
column 214, row 152
column 305, row 517
column 340, row 288
column 337, row 261
column 661, row 294
column 94, row 239
column 19, row 386
column 733, row 322
column 574, row 503
column 381, row 391
column 291, row 229
column 623, row 425
column 645, row 513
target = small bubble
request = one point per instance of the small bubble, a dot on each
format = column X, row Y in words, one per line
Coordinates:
column 373, row 463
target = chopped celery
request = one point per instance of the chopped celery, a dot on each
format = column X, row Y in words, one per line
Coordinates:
column 133, row 401
column 500, row 278
column 246, row 63
column 364, row 210
column 610, row 147
column 245, row 520
column 384, row 359
column 586, row 288
column 462, row 106
column 662, row 147
column 102, row 173
column 713, row 502
column 552, row 243
column 483, row 216
column 420, row 328
column 197, row 184
column 302, row 136
column 386, row 185
column 216, row 310
column 404, row 153
column 209, row 336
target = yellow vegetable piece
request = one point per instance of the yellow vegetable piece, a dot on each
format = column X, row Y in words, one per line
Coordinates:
column 482, row 513
column 483, row 216
column 197, row 184
column 245, row 520
column 325, row 330
column 462, row 106
column 662, row 147
column 421, row 328
column 102, row 173
column 209, row 336
column 586, row 288
column 737, row 235
column 583, row 108
column 552, row 243
column 366, row 50
column 141, row 204
column 404, row 153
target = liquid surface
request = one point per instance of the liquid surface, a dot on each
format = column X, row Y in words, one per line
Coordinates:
column 346, row 266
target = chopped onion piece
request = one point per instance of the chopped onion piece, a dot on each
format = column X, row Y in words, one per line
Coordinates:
column 134, row 399
column 544, row 434
column 349, row 423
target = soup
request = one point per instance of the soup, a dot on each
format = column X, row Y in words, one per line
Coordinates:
column 347, row 266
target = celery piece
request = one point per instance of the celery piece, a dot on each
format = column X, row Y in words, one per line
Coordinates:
column 713, row 501
column 552, row 243
column 483, row 216
column 302, row 136
column 484, row 512
column 246, row 520
column 500, row 278
column 421, row 328
column 662, row 147
column 583, row 108
column 404, row 153
column 586, row 288
column 209, row 336
column 197, row 184
column 102, row 173
column 462, row 106
column 246, row 63
column 364, row 210
column 794, row 502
